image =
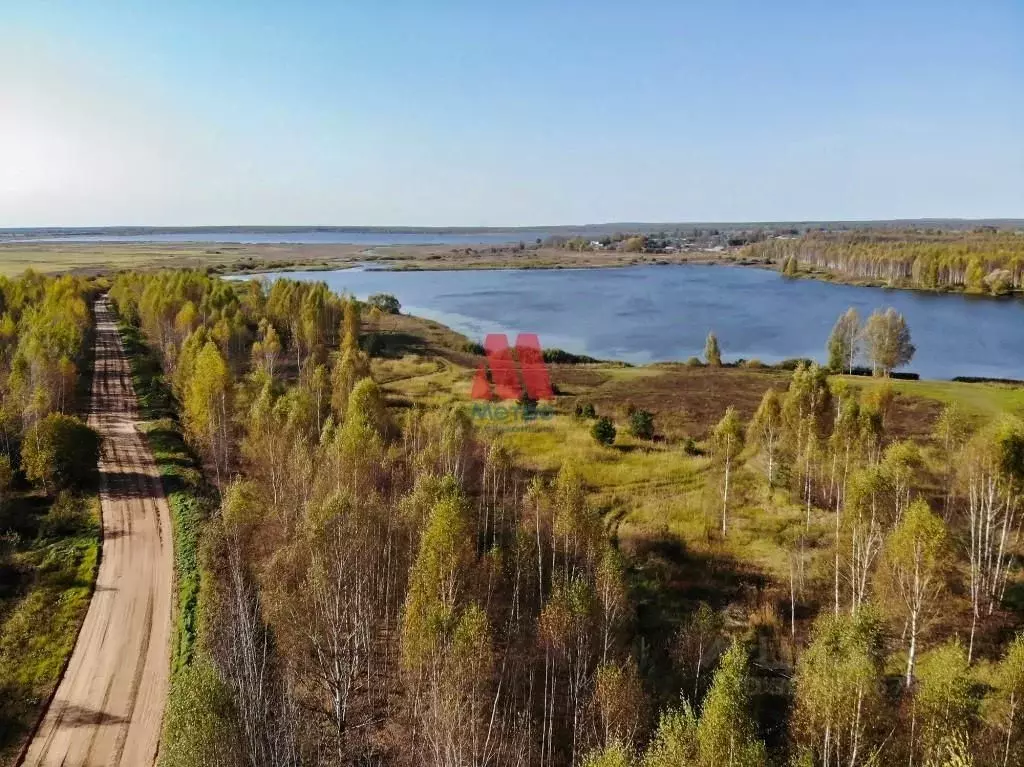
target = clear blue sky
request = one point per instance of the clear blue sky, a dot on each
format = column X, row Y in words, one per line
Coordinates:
column 513, row 113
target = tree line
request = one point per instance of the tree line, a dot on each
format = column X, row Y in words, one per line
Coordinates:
column 976, row 262
column 380, row 585
column 45, row 336
column 49, row 537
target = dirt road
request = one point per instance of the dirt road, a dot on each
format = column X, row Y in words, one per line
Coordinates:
column 108, row 708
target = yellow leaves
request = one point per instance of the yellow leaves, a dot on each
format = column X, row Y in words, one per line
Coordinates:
column 240, row 506
column 712, row 353
column 366, row 406
column 8, row 330
column 186, row 319
column 726, row 731
column 919, row 542
column 619, row 695
column 207, row 384
column 435, row 584
column 728, row 435
column 471, row 644
column 675, row 742
column 207, row 405
column 615, row 754
column 568, row 614
column 839, row 675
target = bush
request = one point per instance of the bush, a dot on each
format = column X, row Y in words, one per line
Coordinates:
column 586, row 411
column 562, row 357
column 199, row 724
column 794, row 362
column 386, row 302
column 60, row 452
column 694, row 362
column 641, row 424
column 690, row 447
column 604, row 431
column 68, row 516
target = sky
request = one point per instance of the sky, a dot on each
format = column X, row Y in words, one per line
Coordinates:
column 446, row 113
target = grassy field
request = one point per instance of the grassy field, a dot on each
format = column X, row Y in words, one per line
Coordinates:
column 980, row 400
column 97, row 258
column 661, row 503
column 645, row 484
column 48, row 557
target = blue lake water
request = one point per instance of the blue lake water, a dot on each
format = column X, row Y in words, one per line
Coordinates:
column 658, row 313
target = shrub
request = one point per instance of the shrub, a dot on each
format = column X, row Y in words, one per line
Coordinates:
column 589, row 411
column 198, row 725
column 68, row 516
column 999, row 281
column 386, row 302
column 694, row 362
column 641, row 424
column 794, row 362
column 690, row 447
column 712, row 351
column 604, row 431
column 60, row 451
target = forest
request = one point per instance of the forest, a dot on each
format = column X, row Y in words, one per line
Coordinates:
column 48, row 523
column 981, row 262
column 382, row 583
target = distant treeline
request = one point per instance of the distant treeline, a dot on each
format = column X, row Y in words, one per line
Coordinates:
column 983, row 261
column 567, row 230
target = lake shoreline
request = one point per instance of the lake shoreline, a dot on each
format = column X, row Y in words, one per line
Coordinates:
column 93, row 258
column 644, row 315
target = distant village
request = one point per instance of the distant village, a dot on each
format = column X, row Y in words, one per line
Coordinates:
column 676, row 241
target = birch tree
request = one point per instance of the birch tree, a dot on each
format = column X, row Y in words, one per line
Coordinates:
column 675, row 741
column 992, row 471
column 916, row 554
column 951, row 432
column 728, row 442
column 844, row 341
column 839, row 693
column 765, row 430
column 726, row 733
column 1005, row 707
column 943, row 701
column 804, row 407
column 887, row 341
column 864, row 532
column 208, row 408
column 712, row 352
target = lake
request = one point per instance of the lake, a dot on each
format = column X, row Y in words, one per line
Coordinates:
column 658, row 313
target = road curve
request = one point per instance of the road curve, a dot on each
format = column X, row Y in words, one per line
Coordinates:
column 109, row 706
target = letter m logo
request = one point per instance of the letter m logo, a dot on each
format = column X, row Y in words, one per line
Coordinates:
column 530, row 378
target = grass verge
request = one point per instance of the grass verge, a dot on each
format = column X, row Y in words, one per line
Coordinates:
column 190, row 498
column 49, row 553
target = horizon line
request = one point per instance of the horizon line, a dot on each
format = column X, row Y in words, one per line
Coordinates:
column 506, row 228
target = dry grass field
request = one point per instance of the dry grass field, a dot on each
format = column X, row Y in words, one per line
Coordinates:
column 96, row 258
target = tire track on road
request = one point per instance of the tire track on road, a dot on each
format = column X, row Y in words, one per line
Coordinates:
column 108, row 709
